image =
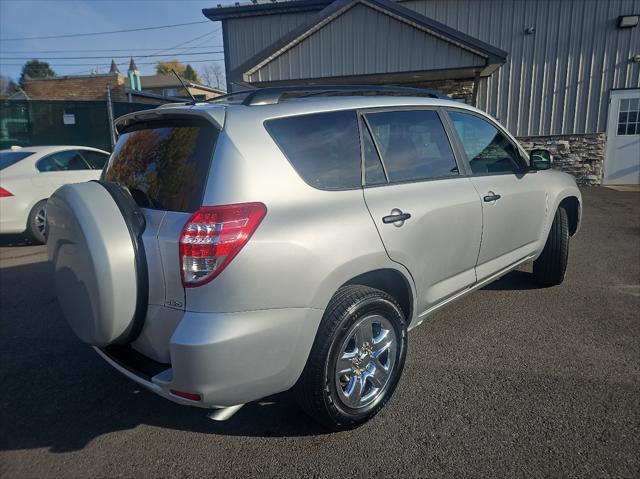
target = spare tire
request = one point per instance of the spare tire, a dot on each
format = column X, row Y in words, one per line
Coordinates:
column 100, row 270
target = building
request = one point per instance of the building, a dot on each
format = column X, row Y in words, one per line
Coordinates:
column 559, row 74
column 155, row 89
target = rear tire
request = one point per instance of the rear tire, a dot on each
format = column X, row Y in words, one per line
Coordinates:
column 356, row 360
column 36, row 222
column 550, row 267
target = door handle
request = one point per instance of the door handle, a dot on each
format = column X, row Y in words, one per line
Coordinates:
column 397, row 217
column 491, row 197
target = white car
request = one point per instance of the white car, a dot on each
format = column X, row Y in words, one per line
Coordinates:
column 29, row 175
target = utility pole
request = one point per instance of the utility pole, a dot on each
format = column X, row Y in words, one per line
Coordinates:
column 112, row 131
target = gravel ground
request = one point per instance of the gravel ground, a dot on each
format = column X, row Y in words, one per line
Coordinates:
column 510, row 381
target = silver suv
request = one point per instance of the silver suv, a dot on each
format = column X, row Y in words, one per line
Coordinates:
column 289, row 238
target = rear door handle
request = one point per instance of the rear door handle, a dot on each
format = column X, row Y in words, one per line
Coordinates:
column 396, row 216
column 491, row 197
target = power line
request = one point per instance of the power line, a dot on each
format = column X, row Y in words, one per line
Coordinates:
column 103, row 50
column 73, row 35
column 188, row 41
column 59, row 65
column 113, row 56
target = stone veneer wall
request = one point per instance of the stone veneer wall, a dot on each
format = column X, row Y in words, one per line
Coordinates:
column 580, row 155
column 456, row 89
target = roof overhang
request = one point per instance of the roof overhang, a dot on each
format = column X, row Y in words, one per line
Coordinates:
column 258, row 9
column 491, row 57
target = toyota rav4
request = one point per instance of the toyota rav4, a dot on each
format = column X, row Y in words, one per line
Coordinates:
column 291, row 237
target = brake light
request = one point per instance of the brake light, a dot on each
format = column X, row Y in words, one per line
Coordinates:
column 4, row 193
column 213, row 236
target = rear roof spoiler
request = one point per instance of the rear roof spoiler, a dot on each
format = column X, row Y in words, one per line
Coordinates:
column 215, row 114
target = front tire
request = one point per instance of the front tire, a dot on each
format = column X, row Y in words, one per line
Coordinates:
column 550, row 267
column 356, row 360
column 37, row 221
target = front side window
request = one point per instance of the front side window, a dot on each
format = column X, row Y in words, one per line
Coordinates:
column 487, row 150
column 70, row 160
column 324, row 148
column 413, row 145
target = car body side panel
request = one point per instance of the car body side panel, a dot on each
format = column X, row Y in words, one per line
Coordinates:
column 439, row 243
column 512, row 224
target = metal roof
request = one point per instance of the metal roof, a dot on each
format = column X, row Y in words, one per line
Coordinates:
column 490, row 56
column 266, row 8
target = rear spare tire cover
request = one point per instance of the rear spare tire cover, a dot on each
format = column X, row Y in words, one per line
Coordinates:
column 99, row 265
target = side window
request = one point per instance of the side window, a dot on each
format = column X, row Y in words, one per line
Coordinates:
column 488, row 150
column 413, row 144
column 373, row 171
column 324, row 148
column 62, row 161
column 95, row 159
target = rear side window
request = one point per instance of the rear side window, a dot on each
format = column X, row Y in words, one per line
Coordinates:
column 8, row 158
column 164, row 163
column 324, row 148
column 69, row 160
column 95, row 159
column 413, row 145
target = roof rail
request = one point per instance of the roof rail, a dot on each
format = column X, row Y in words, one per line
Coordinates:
column 273, row 95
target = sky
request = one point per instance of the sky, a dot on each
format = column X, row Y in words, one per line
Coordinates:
column 27, row 18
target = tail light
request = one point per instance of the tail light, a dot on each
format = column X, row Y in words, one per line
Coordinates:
column 213, row 236
column 4, row 193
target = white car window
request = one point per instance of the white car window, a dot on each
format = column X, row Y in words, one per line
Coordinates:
column 69, row 160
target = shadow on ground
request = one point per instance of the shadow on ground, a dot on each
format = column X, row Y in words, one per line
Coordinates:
column 16, row 240
column 58, row 393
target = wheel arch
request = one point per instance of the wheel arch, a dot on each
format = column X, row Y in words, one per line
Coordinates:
column 392, row 282
column 571, row 205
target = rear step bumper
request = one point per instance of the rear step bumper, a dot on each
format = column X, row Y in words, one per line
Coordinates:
column 226, row 358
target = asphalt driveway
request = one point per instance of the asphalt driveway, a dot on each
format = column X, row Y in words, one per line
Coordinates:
column 511, row 381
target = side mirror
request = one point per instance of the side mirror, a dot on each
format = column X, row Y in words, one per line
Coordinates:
column 540, row 159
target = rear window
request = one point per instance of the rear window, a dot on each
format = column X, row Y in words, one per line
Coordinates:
column 324, row 148
column 8, row 158
column 164, row 163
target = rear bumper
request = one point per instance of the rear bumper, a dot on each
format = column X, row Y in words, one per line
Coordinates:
column 231, row 358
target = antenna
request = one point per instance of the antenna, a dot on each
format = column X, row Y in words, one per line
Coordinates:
column 185, row 87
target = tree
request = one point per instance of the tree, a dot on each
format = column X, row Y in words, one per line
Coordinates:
column 185, row 71
column 164, row 68
column 35, row 69
column 190, row 74
column 213, row 75
column 7, row 86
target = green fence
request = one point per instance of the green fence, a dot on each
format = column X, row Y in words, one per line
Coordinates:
column 59, row 122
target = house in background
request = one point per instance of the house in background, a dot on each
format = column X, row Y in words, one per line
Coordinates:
column 562, row 74
column 156, row 89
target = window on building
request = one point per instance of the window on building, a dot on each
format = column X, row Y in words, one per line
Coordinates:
column 413, row 145
column 62, row 161
column 487, row 150
column 323, row 147
column 629, row 117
